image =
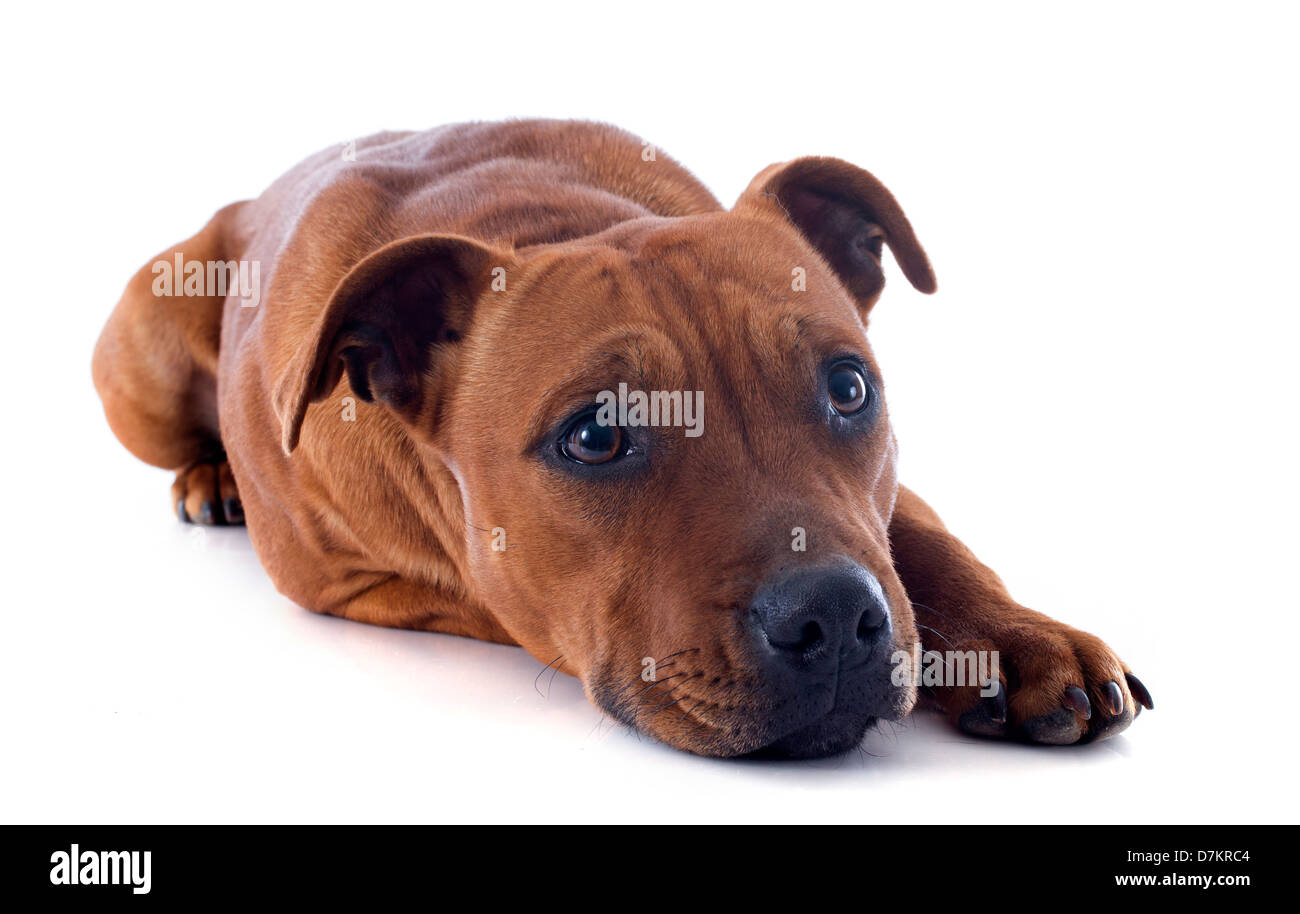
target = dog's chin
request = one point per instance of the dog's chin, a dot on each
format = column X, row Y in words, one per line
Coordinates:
column 837, row 732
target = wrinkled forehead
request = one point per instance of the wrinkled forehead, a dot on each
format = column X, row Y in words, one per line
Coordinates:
column 714, row 304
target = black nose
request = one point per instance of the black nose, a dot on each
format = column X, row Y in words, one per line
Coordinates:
column 816, row 621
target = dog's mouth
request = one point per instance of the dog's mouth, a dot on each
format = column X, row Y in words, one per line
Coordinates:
column 820, row 719
column 839, row 729
column 855, row 709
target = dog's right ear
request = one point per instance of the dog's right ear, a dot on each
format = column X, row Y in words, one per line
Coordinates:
column 385, row 324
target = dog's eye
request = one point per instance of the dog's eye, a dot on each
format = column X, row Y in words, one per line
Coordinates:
column 588, row 441
column 847, row 388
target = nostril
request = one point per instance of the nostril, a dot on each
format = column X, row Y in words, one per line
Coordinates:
column 869, row 623
column 803, row 641
column 810, row 637
column 814, row 619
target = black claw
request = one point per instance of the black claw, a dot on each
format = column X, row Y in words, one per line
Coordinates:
column 1140, row 692
column 180, row 511
column 997, row 704
column 1114, row 697
column 1077, row 700
column 208, row 513
column 234, row 510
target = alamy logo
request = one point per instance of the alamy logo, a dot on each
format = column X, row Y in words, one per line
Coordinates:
column 629, row 409
column 179, row 276
column 78, row 867
column 946, row 669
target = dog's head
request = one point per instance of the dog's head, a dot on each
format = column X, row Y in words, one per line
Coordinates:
column 674, row 456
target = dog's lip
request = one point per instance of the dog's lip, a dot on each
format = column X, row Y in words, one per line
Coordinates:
column 855, row 723
column 856, row 717
column 735, row 736
column 816, row 745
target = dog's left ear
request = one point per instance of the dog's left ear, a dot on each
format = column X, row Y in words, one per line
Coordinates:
column 847, row 215
column 391, row 324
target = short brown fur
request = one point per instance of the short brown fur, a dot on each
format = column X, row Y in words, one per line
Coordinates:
column 381, row 284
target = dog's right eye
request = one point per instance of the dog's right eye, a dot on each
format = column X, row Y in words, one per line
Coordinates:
column 848, row 389
column 590, row 442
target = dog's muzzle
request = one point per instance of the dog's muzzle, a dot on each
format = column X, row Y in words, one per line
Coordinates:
column 823, row 638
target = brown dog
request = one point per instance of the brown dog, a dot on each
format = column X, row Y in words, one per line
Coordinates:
column 754, row 587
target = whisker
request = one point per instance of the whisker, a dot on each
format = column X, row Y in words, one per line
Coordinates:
column 937, row 632
column 666, row 705
column 658, row 666
column 657, row 682
column 551, row 681
column 539, row 676
column 931, row 609
column 669, row 704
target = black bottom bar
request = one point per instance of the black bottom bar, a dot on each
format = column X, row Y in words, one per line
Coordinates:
column 891, row 863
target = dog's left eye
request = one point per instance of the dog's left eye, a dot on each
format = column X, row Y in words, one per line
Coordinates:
column 588, row 441
column 847, row 388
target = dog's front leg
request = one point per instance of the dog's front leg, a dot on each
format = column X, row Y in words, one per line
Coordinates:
column 1055, row 684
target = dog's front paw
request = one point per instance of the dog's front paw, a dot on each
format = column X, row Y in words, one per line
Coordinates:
column 1056, row 685
column 205, row 493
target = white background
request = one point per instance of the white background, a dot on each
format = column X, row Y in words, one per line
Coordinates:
column 1100, row 398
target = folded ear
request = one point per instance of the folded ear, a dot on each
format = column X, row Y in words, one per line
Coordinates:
column 847, row 215
column 385, row 324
